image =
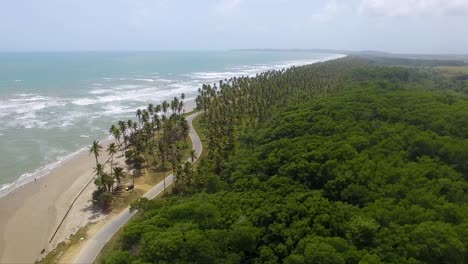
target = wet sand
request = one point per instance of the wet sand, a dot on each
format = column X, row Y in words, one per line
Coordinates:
column 30, row 215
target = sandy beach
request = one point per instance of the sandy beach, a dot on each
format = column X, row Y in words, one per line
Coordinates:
column 30, row 215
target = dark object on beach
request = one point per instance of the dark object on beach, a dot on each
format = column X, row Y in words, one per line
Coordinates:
column 42, row 251
column 129, row 187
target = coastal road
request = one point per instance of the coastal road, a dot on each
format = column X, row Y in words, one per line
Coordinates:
column 94, row 244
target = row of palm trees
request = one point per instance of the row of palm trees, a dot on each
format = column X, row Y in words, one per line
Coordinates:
column 155, row 140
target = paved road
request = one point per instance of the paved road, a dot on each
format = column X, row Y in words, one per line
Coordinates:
column 94, row 244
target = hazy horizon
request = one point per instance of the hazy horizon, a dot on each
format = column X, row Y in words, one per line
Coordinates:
column 398, row 26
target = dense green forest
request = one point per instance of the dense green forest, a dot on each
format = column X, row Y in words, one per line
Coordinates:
column 338, row 162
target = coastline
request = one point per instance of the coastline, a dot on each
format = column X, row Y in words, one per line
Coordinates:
column 31, row 213
column 47, row 168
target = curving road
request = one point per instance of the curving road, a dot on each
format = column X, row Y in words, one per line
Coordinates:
column 94, row 244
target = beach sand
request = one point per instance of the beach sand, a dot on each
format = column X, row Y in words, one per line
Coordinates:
column 30, row 214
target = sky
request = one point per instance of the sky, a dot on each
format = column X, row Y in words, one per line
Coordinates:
column 401, row 26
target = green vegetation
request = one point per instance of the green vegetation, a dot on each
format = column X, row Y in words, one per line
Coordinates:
column 387, row 61
column 339, row 162
column 156, row 142
column 56, row 255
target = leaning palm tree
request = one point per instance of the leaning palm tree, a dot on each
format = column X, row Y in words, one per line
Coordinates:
column 95, row 149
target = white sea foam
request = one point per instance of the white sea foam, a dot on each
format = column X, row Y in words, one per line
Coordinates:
column 127, row 86
column 162, row 80
column 112, row 99
column 84, row 101
column 117, row 109
column 144, row 80
column 252, row 70
column 21, row 110
column 38, row 173
column 101, row 91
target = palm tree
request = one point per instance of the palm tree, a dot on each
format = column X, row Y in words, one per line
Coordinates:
column 185, row 129
column 130, row 124
column 165, row 106
column 108, row 181
column 115, row 131
column 180, row 107
column 96, row 150
column 119, row 174
column 123, row 131
column 157, row 109
column 111, row 150
column 151, row 109
column 99, row 172
column 193, row 155
column 138, row 114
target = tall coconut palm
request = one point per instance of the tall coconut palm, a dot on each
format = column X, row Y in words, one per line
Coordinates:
column 157, row 109
column 180, row 107
column 99, row 172
column 151, row 109
column 108, row 181
column 193, row 155
column 112, row 150
column 185, row 129
column 95, row 149
column 138, row 114
column 165, row 106
column 119, row 174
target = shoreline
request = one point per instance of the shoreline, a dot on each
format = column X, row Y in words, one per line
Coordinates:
column 44, row 170
column 31, row 213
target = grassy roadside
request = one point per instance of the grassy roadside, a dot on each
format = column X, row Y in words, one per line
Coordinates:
column 55, row 255
column 143, row 183
column 112, row 244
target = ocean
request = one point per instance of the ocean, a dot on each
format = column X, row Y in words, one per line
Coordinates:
column 53, row 105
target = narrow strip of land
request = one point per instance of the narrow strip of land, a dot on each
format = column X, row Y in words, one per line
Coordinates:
column 93, row 246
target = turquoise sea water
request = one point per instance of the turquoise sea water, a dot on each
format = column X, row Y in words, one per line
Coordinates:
column 54, row 104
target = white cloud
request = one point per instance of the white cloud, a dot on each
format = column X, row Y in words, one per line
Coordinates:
column 395, row 8
column 142, row 12
column 226, row 7
column 329, row 11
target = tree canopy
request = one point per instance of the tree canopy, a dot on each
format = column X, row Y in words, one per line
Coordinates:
column 338, row 162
